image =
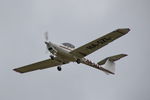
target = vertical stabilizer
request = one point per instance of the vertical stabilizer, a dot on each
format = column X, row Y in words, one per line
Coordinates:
column 109, row 66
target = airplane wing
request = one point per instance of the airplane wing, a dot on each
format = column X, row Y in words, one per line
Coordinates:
column 99, row 43
column 39, row 65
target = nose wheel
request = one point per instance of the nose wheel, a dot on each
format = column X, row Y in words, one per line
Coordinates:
column 52, row 57
column 59, row 68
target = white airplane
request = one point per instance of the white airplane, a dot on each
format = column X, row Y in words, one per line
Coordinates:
column 66, row 53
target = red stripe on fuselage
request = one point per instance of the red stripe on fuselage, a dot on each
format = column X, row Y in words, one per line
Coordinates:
column 65, row 48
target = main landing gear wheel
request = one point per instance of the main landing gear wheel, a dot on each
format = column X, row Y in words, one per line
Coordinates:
column 59, row 68
column 78, row 61
column 52, row 57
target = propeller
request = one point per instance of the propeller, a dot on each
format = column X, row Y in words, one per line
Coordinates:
column 46, row 41
column 46, row 36
column 48, row 44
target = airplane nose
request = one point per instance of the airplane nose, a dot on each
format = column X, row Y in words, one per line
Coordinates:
column 46, row 43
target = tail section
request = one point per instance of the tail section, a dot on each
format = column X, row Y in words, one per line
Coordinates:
column 109, row 67
column 108, row 64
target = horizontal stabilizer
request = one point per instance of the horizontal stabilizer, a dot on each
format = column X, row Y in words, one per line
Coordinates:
column 108, row 64
column 112, row 58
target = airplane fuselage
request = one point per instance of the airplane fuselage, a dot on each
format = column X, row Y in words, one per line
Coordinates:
column 63, row 53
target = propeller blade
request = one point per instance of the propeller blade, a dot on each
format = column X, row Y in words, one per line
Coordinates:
column 46, row 42
column 46, row 36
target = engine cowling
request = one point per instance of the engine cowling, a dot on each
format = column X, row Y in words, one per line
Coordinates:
column 52, row 50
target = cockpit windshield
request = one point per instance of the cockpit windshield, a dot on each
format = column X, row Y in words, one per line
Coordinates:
column 69, row 45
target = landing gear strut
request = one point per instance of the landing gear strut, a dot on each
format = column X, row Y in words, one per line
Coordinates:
column 59, row 68
column 78, row 61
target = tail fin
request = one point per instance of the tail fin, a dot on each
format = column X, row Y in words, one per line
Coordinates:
column 109, row 66
column 108, row 63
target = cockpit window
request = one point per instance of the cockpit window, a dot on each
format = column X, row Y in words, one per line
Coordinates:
column 68, row 45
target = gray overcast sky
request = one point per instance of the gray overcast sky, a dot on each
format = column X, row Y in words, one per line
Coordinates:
column 22, row 24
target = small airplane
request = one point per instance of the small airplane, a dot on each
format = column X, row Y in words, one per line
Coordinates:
column 66, row 53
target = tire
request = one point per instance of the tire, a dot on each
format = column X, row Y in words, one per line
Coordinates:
column 78, row 61
column 52, row 57
column 59, row 68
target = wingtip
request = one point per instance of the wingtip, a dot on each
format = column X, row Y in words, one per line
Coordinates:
column 127, row 29
column 125, row 55
column 124, row 30
column 16, row 70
